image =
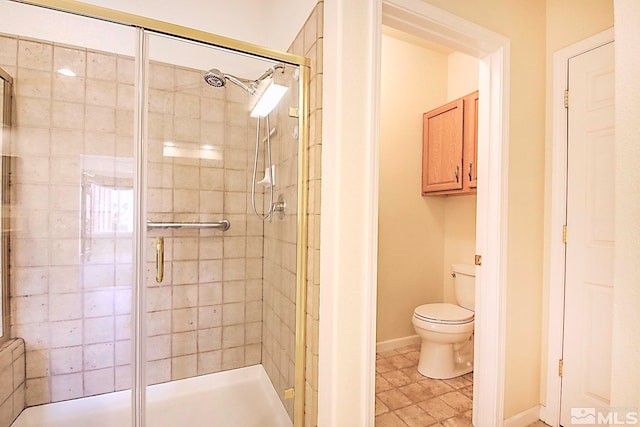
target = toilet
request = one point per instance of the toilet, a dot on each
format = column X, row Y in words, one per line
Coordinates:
column 446, row 330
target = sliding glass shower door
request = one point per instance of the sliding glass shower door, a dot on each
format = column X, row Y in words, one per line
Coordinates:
column 69, row 201
column 156, row 217
column 220, row 249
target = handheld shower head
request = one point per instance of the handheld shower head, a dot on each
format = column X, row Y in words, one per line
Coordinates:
column 216, row 78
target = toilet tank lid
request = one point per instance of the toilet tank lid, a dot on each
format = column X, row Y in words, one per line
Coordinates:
column 468, row 269
column 444, row 312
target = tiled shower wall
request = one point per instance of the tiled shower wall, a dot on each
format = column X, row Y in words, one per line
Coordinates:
column 280, row 255
column 206, row 315
column 12, row 379
column 70, row 260
column 72, row 226
column 280, row 251
column 309, row 43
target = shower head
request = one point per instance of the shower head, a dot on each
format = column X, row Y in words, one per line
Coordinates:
column 216, row 78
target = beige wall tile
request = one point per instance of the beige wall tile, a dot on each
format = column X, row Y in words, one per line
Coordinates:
column 33, row 83
column 99, row 381
column 210, row 316
column 71, row 59
column 98, row 356
column 184, row 367
column 8, row 51
column 209, row 362
column 101, row 66
column 232, row 358
column 185, row 319
column 66, row 360
column 38, row 56
column 159, row 347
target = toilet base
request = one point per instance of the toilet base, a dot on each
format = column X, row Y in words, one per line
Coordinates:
column 444, row 361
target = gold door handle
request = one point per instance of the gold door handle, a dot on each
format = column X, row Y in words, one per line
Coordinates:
column 159, row 259
column 457, row 173
column 470, row 170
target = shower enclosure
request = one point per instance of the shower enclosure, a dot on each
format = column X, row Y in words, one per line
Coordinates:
column 136, row 257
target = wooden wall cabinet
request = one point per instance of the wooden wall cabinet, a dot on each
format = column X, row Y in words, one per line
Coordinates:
column 450, row 147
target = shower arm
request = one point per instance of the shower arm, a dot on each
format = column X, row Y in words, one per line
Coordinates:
column 269, row 73
column 251, row 89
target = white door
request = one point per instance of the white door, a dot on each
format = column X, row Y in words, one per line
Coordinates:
column 590, row 238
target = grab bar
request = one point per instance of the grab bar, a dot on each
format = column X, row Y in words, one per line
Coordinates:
column 223, row 225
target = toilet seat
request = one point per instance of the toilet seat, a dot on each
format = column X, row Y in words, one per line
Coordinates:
column 444, row 313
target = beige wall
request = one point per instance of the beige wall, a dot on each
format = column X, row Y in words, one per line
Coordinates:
column 625, row 390
column 459, row 211
column 523, row 23
column 419, row 237
column 411, row 227
column 568, row 21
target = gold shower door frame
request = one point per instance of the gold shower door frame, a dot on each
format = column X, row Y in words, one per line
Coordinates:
column 147, row 24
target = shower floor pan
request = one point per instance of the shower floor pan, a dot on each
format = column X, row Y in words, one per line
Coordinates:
column 240, row 398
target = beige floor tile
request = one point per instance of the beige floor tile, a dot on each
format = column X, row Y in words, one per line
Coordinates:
column 400, row 361
column 467, row 391
column 408, row 349
column 458, row 382
column 382, row 384
column 457, row 401
column 394, row 399
column 412, row 372
column 436, row 387
column 389, row 353
column 538, row 424
column 415, row 392
column 457, row 421
column 397, row 378
column 413, row 355
column 414, row 416
column 382, row 365
column 437, row 409
column 381, row 408
column 405, row 398
column 389, row 420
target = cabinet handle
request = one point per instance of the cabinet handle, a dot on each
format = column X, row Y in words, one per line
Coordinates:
column 470, row 169
column 159, row 259
column 457, row 173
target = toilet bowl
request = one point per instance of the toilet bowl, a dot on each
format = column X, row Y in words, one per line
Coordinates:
column 446, row 330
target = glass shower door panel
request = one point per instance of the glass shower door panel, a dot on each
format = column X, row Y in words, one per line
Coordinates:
column 204, row 285
column 72, row 202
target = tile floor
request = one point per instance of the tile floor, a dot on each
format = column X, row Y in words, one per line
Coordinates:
column 404, row 398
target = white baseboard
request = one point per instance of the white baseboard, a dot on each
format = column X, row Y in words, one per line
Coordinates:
column 397, row 343
column 524, row 418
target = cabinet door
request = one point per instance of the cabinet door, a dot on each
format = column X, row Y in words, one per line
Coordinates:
column 471, row 140
column 442, row 148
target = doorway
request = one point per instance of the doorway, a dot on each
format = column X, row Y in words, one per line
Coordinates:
column 422, row 235
column 431, row 23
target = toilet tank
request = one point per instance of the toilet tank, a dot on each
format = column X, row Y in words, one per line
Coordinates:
column 464, row 283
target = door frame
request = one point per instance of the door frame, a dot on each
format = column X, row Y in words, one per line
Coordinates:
column 348, row 261
column 492, row 50
column 550, row 413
